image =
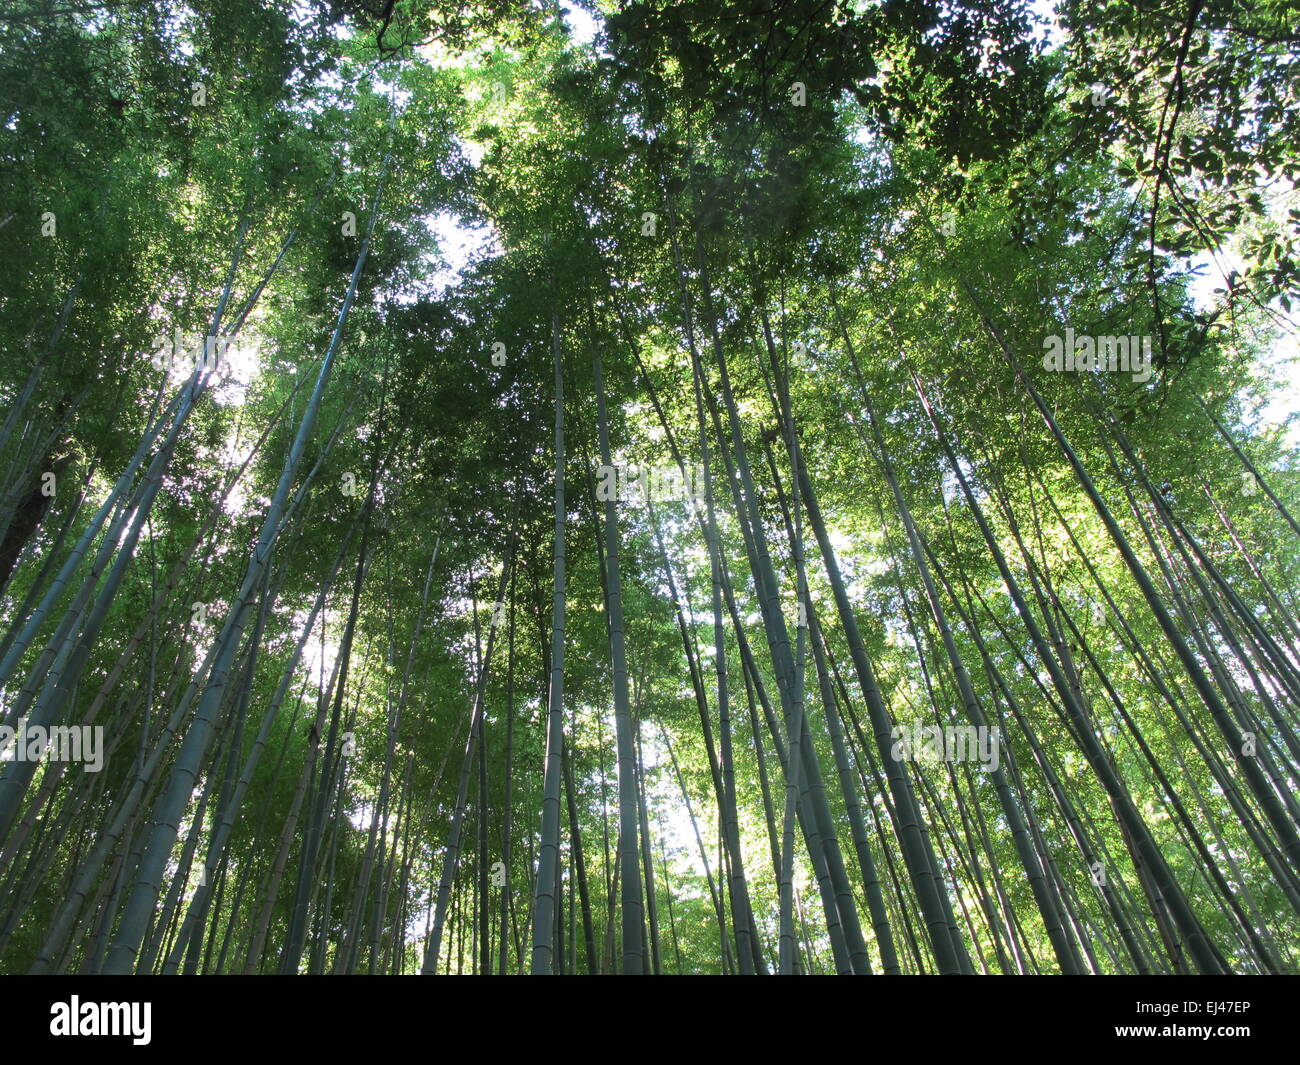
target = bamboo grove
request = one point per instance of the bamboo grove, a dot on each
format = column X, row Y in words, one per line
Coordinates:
column 564, row 605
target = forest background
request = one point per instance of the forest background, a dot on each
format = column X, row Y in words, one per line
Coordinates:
column 326, row 328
